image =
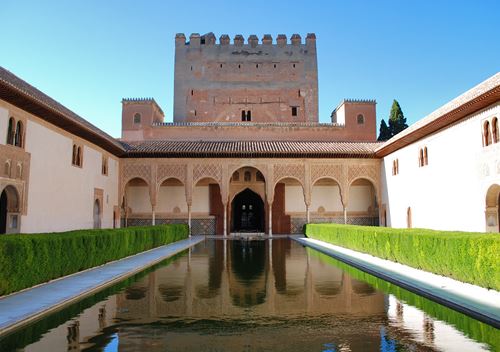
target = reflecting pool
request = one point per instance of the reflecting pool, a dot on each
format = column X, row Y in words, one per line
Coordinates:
column 266, row 295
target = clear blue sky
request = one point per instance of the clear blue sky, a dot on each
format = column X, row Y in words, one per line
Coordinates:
column 89, row 54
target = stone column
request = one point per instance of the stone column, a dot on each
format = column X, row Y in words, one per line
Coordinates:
column 225, row 219
column 153, row 215
column 345, row 214
column 270, row 209
column 189, row 219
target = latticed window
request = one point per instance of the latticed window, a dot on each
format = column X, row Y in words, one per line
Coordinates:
column 361, row 119
column 137, row 118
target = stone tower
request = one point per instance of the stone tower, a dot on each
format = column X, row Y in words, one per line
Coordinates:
column 253, row 81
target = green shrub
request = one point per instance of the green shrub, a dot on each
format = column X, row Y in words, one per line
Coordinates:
column 464, row 256
column 30, row 259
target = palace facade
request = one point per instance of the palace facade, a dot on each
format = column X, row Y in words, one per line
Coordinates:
column 246, row 153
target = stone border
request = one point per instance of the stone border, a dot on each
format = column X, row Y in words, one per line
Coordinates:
column 27, row 306
column 478, row 302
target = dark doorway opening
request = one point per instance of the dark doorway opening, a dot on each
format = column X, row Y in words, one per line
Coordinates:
column 3, row 212
column 248, row 212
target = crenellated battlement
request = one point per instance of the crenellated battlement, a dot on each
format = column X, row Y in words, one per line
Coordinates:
column 195, row 39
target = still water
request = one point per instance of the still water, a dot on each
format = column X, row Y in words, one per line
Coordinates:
column 267, row 295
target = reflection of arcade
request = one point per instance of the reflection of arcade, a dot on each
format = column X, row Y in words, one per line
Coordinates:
column 272, row 277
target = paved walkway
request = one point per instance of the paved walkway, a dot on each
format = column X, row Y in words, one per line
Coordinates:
column 475, row 301
column 26, row 306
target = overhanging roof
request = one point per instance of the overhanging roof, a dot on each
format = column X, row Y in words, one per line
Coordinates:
column 249, row 149
column 475, row 99
column 23, row 95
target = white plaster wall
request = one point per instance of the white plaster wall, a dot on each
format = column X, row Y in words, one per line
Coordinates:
column 170, row 197
column 138, row 199
column 61, row 196
column 4, row 122
column 327, row 197
column 449, row 193
column 201, row 202
column 294, row 199
column 360, row 198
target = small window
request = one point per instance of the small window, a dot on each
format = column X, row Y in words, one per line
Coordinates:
column 249, row 115
column 220, row 65
column 137, row 118
column 192, row 92
column 239, row 66
column 294, row 111
column 486, row 134
column 77, row 158
column 11, row 131
column 256, row 65
column 361, row 119
column 395, row 167
column 293, row 65
column 195, row 112
column 421, row 157
column 248, row 176
column 243, row 115
column 104, row 167
column 18, row 137
column 191, row 68
column 426, row 160
column 236, row 176
column 494, row 130
column 274, row 65
column 6, row 168
column 259, row 177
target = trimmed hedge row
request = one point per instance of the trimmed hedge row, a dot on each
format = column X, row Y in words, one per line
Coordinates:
column 30, row 259
column 464, row 256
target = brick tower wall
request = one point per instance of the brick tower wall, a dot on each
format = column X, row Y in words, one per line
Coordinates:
column 275, row 82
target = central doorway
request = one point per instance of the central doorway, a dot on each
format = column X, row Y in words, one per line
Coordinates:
column 248, row 212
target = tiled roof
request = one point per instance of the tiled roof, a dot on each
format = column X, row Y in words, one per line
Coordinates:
column 241, row 149
column 20, row 93
column 479, row 97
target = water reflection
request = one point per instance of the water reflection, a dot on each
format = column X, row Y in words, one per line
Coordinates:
column 252, row 295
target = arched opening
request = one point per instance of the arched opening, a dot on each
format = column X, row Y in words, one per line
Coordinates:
column 493, row 208
column 248, row 212
column 289, row 208
column 326, row 202
column 137, row 203
column 18, row 139
column 11, row 131
column 171, row 205
column 494, row 129
column 363, row 205
column 9, row 211
column 247, row 178
column 486, row 134
column 207, row 211
column 97, row 214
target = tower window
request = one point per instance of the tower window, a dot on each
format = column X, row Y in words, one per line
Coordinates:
column 192, row 92
column 256, row 65
column 246, row 115
column 220, row 65
column 361, row 119
column 293, row 65
column 274, row 65
column 294, row 111
column 239, row 66
column 137, row 118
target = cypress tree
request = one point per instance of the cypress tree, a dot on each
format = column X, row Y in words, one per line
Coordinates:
column 384, row 132
column 397, row 120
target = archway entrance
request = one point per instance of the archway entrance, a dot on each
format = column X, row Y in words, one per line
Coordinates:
column 9, row 211
column 3, row 212
column 248, row 212
column 97, row 214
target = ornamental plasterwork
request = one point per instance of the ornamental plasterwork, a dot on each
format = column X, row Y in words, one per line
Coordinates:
column 177, row 171
column 326, row 170
column 201, row 171
column 363, row 171
column 289, row 170
column 131, row 171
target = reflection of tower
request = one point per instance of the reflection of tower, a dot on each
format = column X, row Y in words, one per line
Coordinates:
column 73, row 337
column 102, row 317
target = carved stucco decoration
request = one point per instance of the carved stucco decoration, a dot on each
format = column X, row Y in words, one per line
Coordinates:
column 131, row 171
column 289, row 170
column 166, row 171
column 369, row 172
column 326, row 170
column 201, row 171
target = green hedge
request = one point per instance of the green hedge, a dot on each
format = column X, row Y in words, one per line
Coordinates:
column 30, row 259
column 464, row 256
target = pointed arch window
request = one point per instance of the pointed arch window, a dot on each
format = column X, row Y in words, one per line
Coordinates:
column 494, row 130
column 486, row 134
column 18, row 138
column 11, row 130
